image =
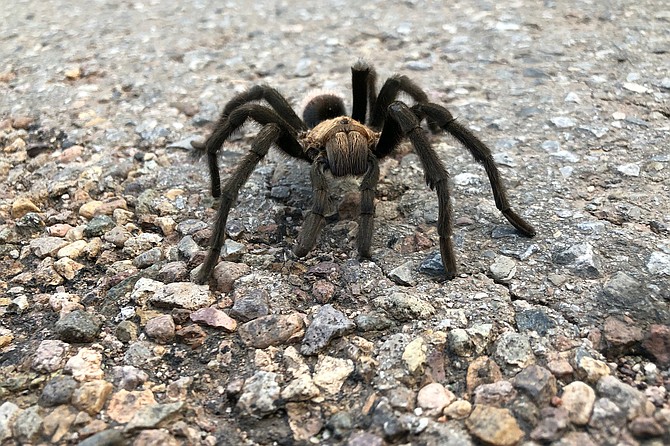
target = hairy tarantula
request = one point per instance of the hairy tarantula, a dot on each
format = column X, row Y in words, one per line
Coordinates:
column 346, row 145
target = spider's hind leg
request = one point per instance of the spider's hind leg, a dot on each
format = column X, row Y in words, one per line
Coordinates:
column 363, row 85
column 389, row 93
column 225, row 127
column 482, row 154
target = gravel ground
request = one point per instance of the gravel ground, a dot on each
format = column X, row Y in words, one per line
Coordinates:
column 562, row 339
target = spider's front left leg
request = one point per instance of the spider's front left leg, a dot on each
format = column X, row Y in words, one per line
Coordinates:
column 316, row 219
column 482, row 155
column 368, row 188
column 259, row 148
column 401, row 123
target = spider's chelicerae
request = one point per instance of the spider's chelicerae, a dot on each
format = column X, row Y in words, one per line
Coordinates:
column 331, row 141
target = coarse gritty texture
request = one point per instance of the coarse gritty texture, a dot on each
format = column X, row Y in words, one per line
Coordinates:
column 102, row 206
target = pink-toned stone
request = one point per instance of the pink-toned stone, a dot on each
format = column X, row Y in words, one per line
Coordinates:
column 433, row 398
column 214, row 318
column 658, row 343
column 123, row 405
column 161, row 329
column 323, row 291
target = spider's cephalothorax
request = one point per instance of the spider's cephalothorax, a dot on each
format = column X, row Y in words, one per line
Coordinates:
column 346, row 145
column 347, row 142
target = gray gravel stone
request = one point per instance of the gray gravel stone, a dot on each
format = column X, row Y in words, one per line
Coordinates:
column 46, row 246
column 459, row 342
column 553, row 422
column 404, row 307
column 513, row 350
column 126, row 331
column 78, row 326
column 534, row 320
column 173, row 272
column 138, row 354
column 259, row 394
column 372, row 322
column 581, row 259
column 270, row 330
column 99, row 225
column 191, row 226
column 187, row 247
column 185, row 295
column 149, row 417
column 250, row 305
column 536, row 382
column 503, row 269
column 8, row 411
column 659, row 263
column 27, row 424
column 148, row 258
column 402, row 275
column 563, row 122
column 432, row 265
column 328, row 323
column 631, row 401
column 606, row 422
column 57, row 391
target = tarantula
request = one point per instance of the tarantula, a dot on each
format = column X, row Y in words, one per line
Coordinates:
column 330, row 140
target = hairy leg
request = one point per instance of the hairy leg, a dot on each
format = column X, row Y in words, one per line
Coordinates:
column 368, row 188
column 482, row 154
column 363, row 80
column 389, row 93
column 316, row 218
column 264, row 92
column 259, row 148
column 225, row 127
column 402, row 122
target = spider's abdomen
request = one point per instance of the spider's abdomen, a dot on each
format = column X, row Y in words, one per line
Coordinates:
column 347, row 143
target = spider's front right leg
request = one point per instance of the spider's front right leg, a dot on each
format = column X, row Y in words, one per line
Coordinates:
column 316, row 218
column 259, row 148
